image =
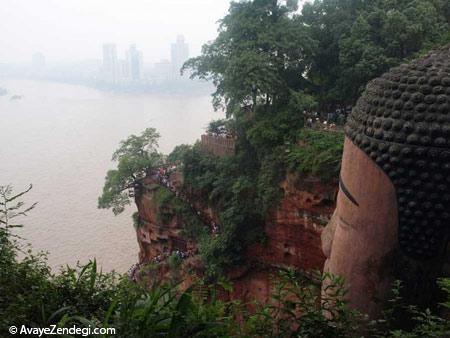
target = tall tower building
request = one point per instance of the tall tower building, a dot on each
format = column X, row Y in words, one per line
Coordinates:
column 123, row 70
column 135, row 63
column 110, row 63
column 179, row 54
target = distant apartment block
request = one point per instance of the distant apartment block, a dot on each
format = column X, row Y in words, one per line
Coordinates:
column 179, row 55
column 123, row 70
column 135, row 63
column 110, row 65
column 115, row 70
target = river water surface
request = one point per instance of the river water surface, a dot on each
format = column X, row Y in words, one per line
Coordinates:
column 60, row 138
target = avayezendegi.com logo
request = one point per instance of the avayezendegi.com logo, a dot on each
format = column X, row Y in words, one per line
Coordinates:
column 54, row 330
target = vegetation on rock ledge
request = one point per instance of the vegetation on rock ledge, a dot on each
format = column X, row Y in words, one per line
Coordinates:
column 136, row 157
column 319, row 154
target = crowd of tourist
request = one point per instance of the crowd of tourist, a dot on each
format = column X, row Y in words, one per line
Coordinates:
column 162, row 176
column 222, row 135
column 333, row 119
column 166, row 254
column 133, row 270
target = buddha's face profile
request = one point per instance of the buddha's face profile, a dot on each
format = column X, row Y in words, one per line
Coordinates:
column 393, row 203
column 361, row 237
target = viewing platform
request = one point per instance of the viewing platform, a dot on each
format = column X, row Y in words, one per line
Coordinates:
column 218, row 145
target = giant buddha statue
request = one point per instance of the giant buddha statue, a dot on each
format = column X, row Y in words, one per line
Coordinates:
column 392, row 218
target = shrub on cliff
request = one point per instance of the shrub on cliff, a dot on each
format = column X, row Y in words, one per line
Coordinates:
column 229, row 185
column 319, row 153
column 169, row 207
column 136, row 156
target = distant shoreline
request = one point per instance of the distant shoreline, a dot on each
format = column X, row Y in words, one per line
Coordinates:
column 185, row 87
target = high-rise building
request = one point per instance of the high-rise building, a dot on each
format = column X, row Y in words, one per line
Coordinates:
column 135, row 63
column 179, row 54
column 123, row 70
column 110, row 63
column 141, row 63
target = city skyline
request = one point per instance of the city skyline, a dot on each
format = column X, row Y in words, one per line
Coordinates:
column 128, row 66
column 112, row 68
column 53, row 28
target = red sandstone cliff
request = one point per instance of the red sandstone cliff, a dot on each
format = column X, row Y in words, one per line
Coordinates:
column 293, row 232
column 293, row 237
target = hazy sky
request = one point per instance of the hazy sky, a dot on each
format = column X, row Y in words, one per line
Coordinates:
column 68, row 30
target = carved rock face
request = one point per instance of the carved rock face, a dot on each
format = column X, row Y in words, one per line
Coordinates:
column 402, row 122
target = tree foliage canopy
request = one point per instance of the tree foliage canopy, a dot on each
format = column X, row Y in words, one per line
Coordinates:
column 136, row 156
column 259, row 54
column 358, row 40
column 177, row 154
column 265, row 49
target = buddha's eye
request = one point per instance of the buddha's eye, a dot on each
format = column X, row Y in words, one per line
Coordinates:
column 346, row 192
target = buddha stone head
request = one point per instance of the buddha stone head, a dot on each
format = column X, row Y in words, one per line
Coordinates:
column 392, row 218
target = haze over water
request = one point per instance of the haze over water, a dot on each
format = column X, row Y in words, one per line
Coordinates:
column 61, row 137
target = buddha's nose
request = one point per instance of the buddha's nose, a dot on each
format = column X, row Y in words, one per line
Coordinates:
column 328, row 234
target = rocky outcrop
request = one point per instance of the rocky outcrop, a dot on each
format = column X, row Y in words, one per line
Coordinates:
column 155, row 237
column 292, row 231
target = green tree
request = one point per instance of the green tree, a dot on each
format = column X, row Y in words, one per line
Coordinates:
column 386, row 34
column 177, row 154
column 259, row 55
column 359, row 40
column 328, row 20
column 136, row 157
